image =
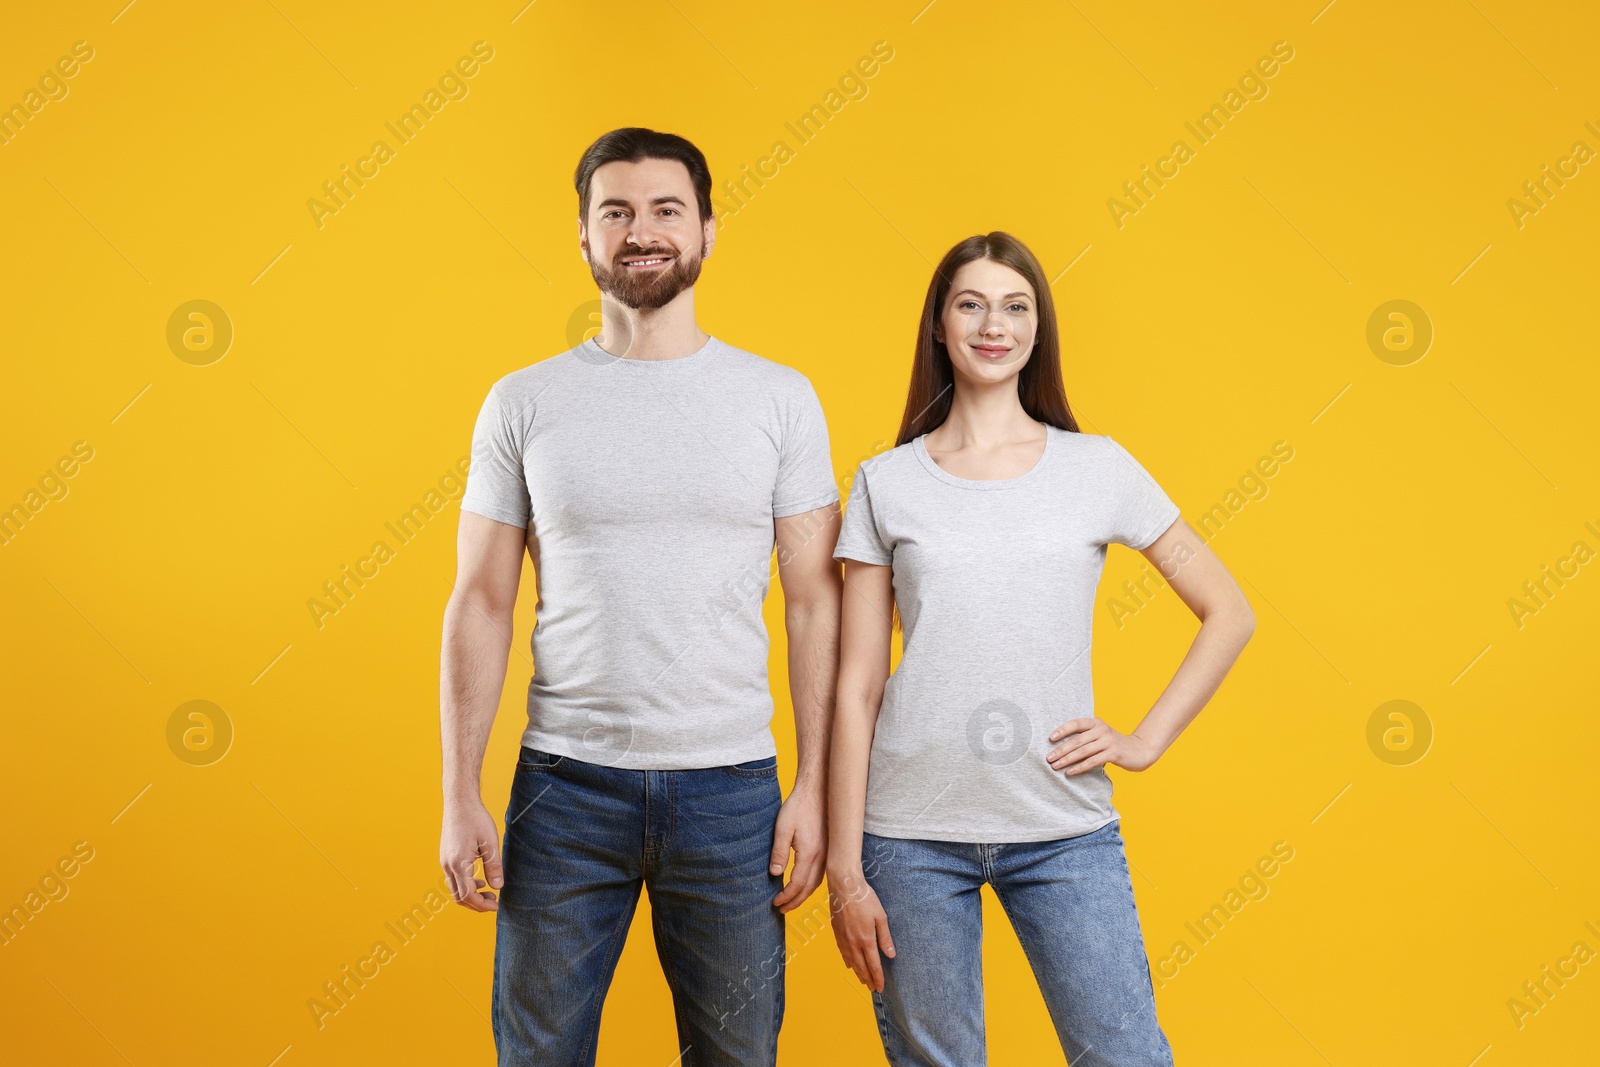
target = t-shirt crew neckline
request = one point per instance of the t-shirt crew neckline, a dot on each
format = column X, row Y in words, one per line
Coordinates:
column 590, row 352
column 920, row 450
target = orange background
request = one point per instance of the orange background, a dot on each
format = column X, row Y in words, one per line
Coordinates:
column 1228, row 314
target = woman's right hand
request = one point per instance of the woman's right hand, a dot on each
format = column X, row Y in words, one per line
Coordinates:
column 860, row 926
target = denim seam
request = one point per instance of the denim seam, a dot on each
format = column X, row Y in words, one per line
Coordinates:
column 593, row 1029
column 650, row 853
column 884, row 1029
column 1144, row 955
column 672, row 811
column 758, row 772
column 1032, row 965
column 673, row 988
column 777, row 1018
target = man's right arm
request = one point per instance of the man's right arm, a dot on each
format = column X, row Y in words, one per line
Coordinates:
column 477, row 639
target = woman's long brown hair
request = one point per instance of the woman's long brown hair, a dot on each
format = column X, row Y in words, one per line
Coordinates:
column 1039, row 384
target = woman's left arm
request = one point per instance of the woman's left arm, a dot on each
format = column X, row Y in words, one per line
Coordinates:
column 1226, row 623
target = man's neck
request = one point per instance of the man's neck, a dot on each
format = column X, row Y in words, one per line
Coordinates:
column 669, row 332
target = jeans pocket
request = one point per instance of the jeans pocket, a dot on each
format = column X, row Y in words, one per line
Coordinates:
column 533, row 759
column 756, row 768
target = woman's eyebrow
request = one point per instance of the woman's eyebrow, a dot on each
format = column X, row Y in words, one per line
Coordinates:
column 1008, row 296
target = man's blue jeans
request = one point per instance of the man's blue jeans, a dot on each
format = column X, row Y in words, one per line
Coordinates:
column 1071, row 904
column 581, row 839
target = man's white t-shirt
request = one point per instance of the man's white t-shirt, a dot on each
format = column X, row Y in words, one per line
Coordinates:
column 649, row 488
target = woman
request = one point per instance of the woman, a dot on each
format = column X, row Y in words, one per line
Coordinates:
column 980, row 759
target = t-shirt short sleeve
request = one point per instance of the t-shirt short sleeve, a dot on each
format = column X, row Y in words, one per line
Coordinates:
column 805, row 463
column 858, row 533
column 1142, row 511
column 496, row 485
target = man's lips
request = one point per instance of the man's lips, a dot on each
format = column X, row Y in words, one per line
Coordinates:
column 647, row 262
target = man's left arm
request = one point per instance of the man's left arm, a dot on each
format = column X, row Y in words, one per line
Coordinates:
column 811, row 590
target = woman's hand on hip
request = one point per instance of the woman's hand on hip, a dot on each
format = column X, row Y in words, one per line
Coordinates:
column 1093, row 742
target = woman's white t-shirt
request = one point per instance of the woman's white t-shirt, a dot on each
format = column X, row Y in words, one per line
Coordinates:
column 995, row 582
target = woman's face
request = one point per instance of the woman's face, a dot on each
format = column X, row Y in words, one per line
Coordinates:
column 989, row 321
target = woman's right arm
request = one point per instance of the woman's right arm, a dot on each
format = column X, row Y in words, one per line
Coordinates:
column 859, row 924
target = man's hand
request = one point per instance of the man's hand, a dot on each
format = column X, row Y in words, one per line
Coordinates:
column 1093, row 743
column 469, row 834
column 801, row 827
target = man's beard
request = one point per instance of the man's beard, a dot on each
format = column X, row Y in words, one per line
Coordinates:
column 655, row 289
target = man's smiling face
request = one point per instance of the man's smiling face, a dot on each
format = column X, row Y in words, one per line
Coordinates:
column 643, row 238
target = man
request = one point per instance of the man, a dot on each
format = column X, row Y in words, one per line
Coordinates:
column 648, row 473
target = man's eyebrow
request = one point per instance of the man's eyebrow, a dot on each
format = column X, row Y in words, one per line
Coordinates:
column 1008, row 296
column 614, row 201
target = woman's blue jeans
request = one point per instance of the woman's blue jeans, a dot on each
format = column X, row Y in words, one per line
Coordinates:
column 1071, row 904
